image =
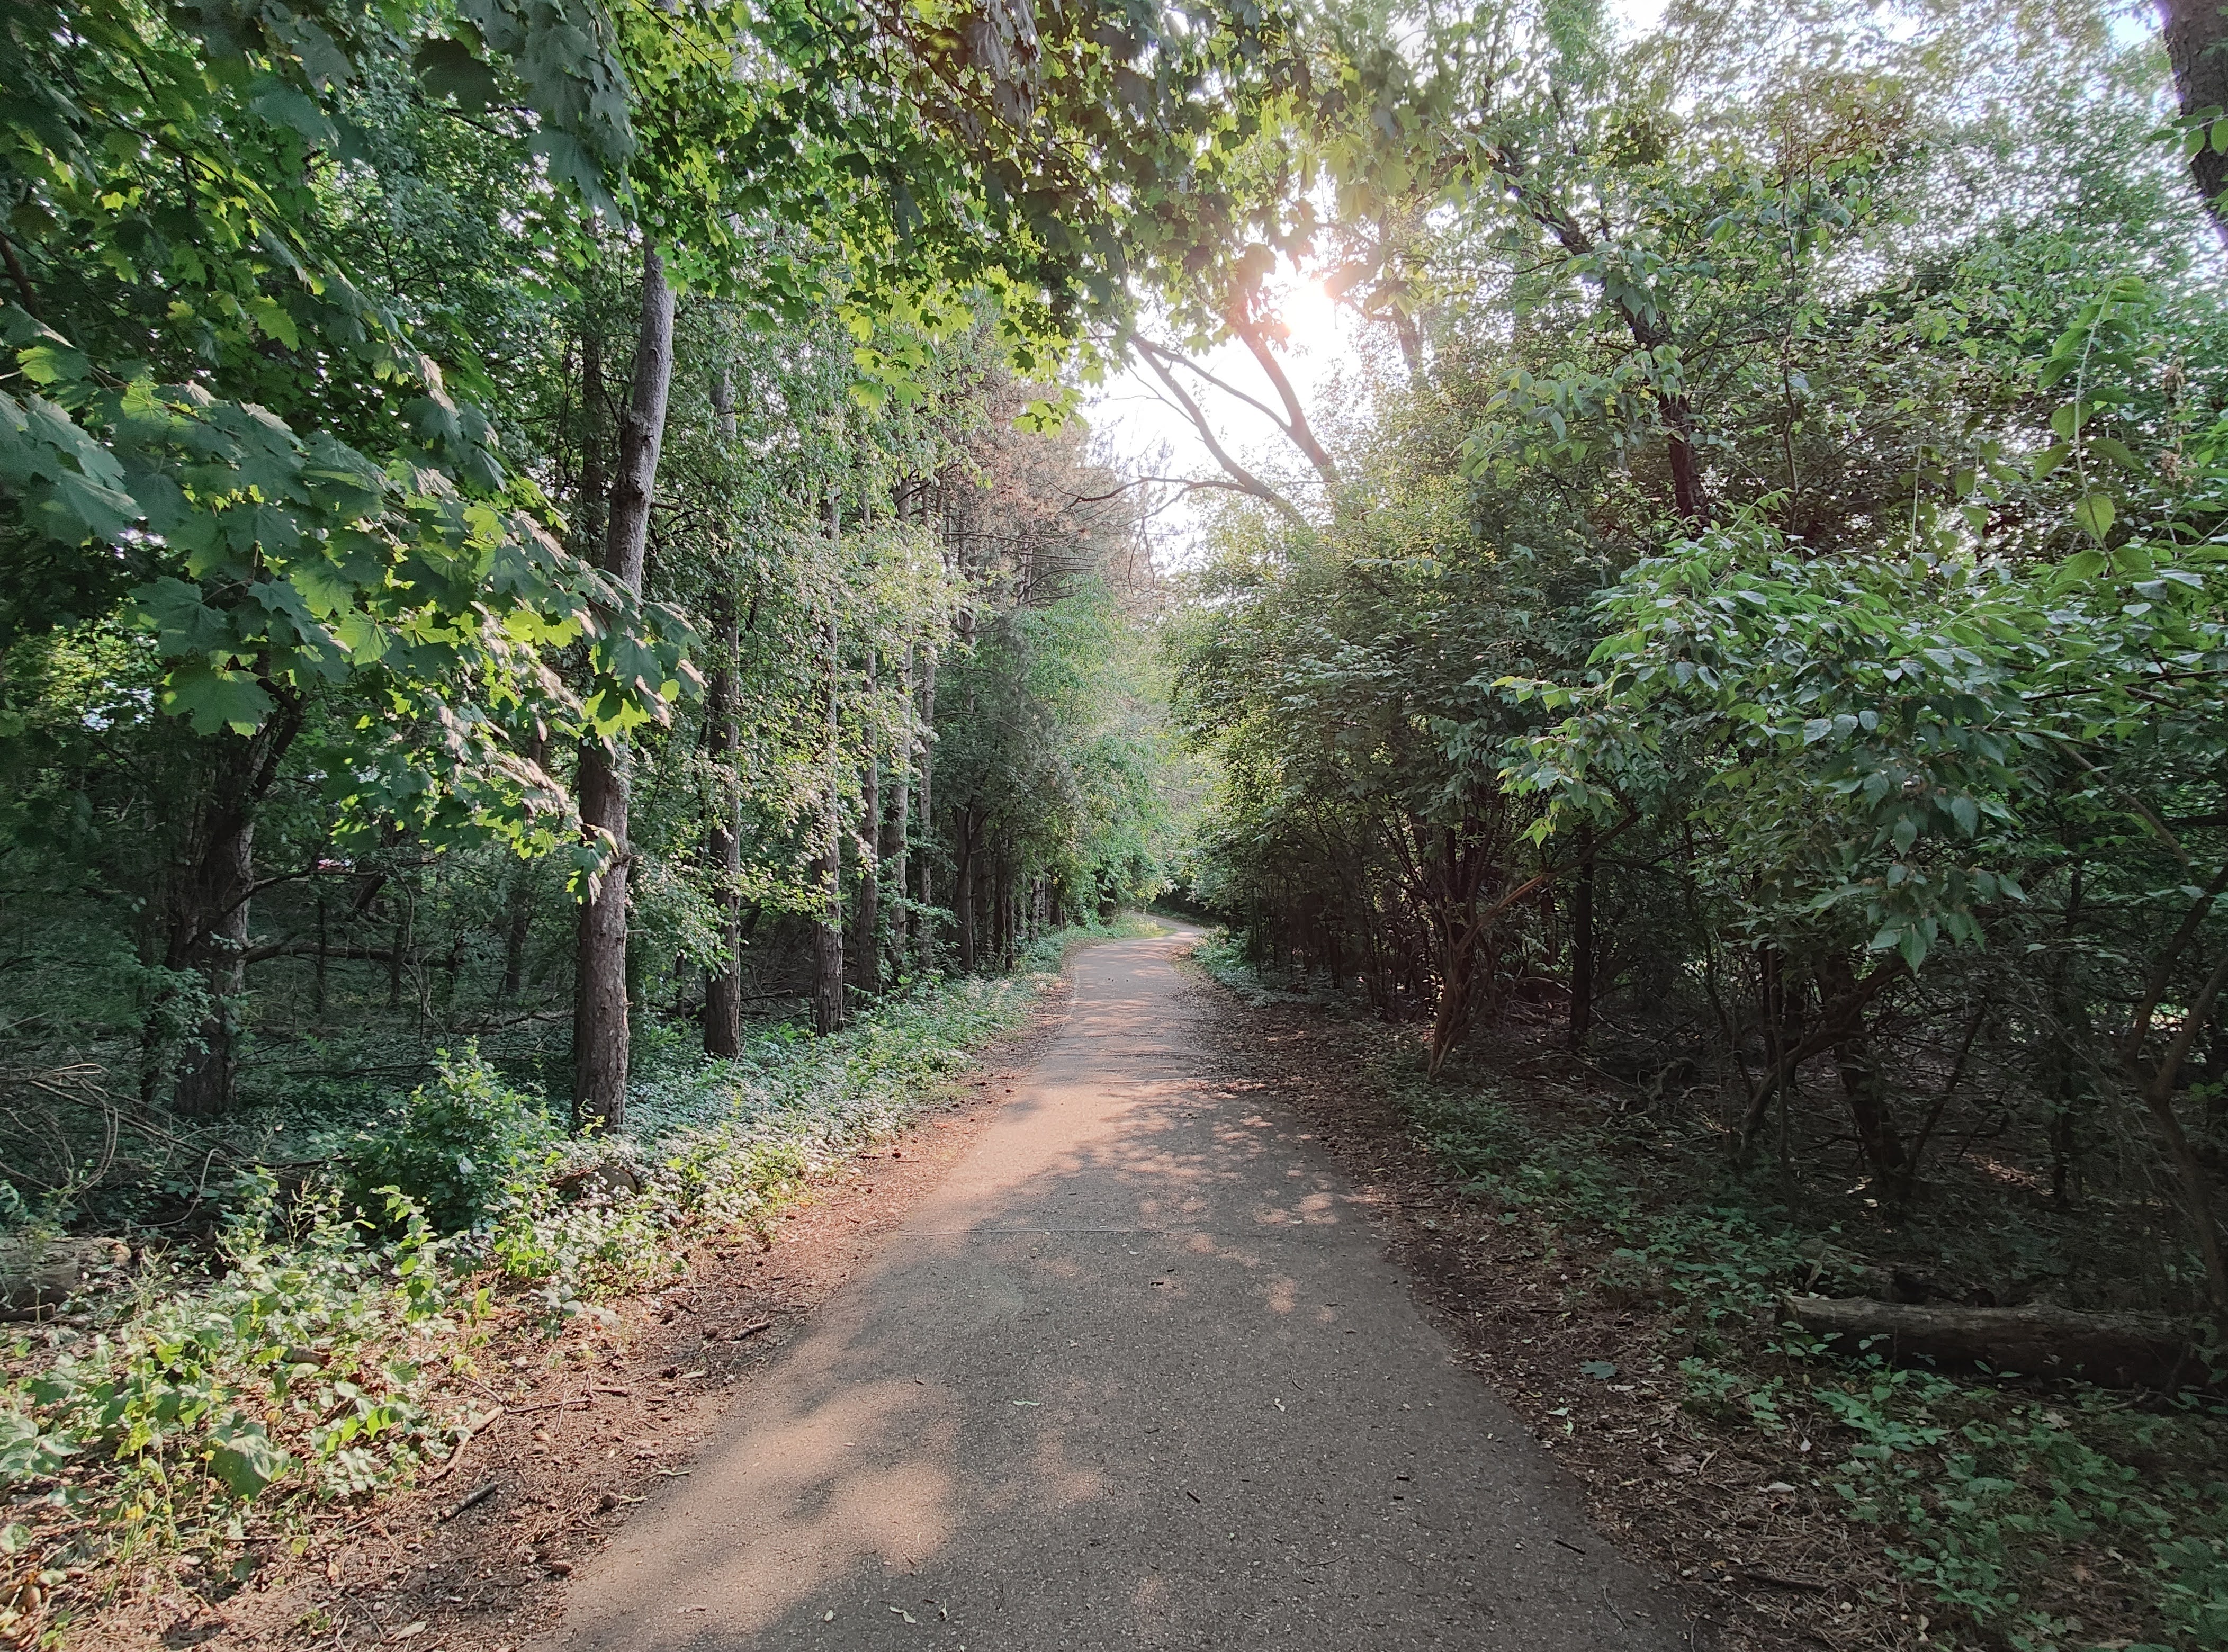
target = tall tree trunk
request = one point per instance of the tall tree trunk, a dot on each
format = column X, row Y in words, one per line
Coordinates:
column 866, row 941
column 2197, row 45
column 600, row 1027
column 1005, row 894
column 925, row 925
column 828, row 934
column 317, row 978
column 1582, row 943
column 723, row 844
column 898, row 825
column 397, row 951
column 208, row 899
column 963, row 896
column 1450, row 1020
column 517, row 927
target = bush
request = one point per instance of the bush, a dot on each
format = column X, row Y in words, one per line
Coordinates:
column 456, row 1143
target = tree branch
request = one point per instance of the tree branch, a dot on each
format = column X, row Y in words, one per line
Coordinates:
column 1296, row 426
column 1246, row 480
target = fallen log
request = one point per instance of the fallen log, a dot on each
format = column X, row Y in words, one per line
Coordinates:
column 2113, row 1350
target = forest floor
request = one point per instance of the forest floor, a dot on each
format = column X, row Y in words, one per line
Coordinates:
column 1763, row 1559
column 477, row 1559
column 611, row 1502
column 1597, row 1264
column 1119, row 1228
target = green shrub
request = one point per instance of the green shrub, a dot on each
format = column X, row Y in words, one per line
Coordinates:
column 456, row 1143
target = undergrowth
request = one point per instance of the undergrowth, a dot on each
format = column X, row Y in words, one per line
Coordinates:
column 321, row 1353
column 2012, row 1508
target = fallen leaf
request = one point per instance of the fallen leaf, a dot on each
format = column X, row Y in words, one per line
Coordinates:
column 1599, row 1370
column 408, row 1631
column 903, row 1613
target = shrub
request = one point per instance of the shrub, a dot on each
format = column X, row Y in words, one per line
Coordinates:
column 456, row 1143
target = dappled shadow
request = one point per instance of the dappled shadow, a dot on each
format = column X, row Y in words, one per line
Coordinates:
column 1135, row 1375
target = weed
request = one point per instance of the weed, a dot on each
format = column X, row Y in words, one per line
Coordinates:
column 306, row 1367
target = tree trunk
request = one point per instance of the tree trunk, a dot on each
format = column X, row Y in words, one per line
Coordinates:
column 723, row 842
column 2158, row 1089
column 925, row 925
column 1582, row 943
column 899, row 824
column 1451, row 1018
column 867, row 939
column 317, row 979
column 2197, row 45
column 1001, row 896
column 518, row 916
column 1863, row 1084
column 962, row 897
column 2112, row 1350
column 723, row 845
column 600, row 1028
column 828, row 934
column 517, row 927
column 212, row 936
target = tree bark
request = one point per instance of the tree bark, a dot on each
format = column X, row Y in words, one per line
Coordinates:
column 925, row 925
column 723, row 845
column 1863, row 1084
column 828, row 934
column 899, row 823
column 209, row 904
column 2197, row 45
column 865, row 940
column 1582, row 943
column 2158, row 1089
column 723, row 842
column 962, row 898
column 600, row 1027
column 518, row 917
column 2115, row 1351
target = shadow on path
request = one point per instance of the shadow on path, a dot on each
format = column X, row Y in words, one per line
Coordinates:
column 1137, row 1376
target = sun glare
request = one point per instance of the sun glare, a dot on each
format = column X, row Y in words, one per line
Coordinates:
column 1308, row 309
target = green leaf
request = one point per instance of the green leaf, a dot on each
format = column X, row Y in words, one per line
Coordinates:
column 2094, row 515
column 2081, row 566
column 53, row 363
column 282, row 106
column 75, row 508
column 212, row 698
column 448, row 69
column 243, row 1458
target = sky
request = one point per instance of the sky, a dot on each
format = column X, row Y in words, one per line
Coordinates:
column 1141, row 433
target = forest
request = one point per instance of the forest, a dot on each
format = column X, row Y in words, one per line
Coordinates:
column 576, row 633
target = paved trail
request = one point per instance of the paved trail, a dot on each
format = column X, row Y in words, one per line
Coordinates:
column 1137, row 1375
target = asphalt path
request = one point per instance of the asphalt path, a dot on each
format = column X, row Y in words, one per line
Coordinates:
column 1137, row 1376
